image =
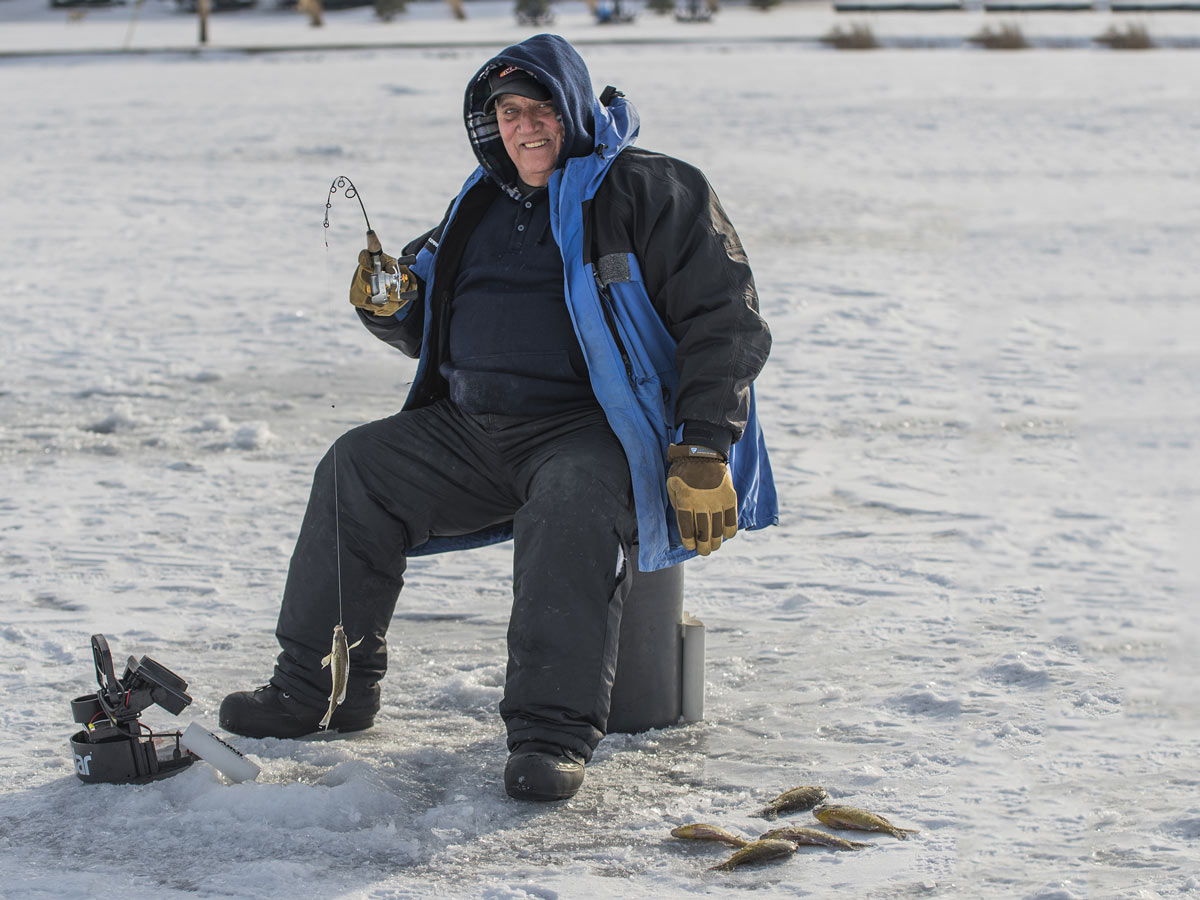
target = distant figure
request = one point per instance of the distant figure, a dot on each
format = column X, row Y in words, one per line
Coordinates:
column 587, row 333
column 534, row 12
column 314, row 11
column 695, row 11
column 610, row 13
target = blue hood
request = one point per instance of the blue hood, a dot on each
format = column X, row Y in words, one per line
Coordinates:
column 559, row 68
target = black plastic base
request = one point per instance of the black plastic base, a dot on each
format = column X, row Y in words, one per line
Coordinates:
column 128, row 760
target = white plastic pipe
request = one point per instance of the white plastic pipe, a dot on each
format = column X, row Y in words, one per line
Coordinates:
column 693, row 668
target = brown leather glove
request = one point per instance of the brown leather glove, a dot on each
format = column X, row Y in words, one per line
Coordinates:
column 398, row 298
column 702, row 493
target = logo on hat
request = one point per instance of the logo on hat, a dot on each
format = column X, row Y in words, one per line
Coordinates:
column 510, row 70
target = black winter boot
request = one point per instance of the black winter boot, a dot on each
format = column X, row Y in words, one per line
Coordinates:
column 271, row 712
column 541, row 771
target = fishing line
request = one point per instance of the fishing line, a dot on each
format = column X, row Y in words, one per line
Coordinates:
column 337, row 531
column 349, row 191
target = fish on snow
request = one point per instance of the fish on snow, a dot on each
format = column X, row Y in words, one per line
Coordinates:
column 859, row 820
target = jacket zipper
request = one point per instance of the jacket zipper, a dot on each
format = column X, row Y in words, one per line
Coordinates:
column 606, row 305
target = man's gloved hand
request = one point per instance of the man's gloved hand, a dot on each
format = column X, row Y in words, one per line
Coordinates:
column 702, row 493
column 360, row 286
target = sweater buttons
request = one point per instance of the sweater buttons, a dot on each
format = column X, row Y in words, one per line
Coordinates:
column 520, row 228
column 528, row 204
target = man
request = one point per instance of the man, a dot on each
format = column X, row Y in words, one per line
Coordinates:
column 587, row 333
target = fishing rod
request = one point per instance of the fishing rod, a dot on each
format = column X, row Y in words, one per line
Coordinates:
column 381, row 279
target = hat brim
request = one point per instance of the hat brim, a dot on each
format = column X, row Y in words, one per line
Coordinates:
column 523, row 87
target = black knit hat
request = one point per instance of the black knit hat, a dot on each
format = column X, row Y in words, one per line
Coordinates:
column 512, row 80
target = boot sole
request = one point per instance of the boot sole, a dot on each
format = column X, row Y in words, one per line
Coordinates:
column 335, row 727
column 538, row 796
column 350, row 728
column 315, row 733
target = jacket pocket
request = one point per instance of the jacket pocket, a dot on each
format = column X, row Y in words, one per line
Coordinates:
column 647, row 349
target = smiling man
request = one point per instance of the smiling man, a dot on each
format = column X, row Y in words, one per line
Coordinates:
column 587, row 335
column 529, row 127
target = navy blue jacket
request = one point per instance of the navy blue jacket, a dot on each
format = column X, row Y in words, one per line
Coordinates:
column 656, row 281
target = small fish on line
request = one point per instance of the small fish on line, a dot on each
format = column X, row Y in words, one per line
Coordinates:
column 701, row 832
column 798, row 799
column 756, row 852
column 851, row 817
column 338, row 662
column 812, row 837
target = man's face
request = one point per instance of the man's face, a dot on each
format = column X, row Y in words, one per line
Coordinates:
column 532, row 135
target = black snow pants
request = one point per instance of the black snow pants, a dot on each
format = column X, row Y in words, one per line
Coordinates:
column 563, row 481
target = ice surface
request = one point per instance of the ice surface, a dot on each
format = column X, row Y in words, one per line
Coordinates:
column 976, row 617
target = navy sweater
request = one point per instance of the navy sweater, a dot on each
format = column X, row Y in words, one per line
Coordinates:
column 513, row 349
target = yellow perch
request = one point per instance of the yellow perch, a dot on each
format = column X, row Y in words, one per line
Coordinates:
column 798, row 799
column 859, row 820
column 701, row 832
column 756, row 852
column 813, row 837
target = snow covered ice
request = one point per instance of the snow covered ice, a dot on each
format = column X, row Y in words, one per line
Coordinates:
column 977, row 616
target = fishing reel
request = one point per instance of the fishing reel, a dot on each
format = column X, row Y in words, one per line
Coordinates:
column 381, row 278
column 114, row 747
column 383, row 281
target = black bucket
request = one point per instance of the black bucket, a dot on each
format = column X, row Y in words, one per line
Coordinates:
column 648, row 685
